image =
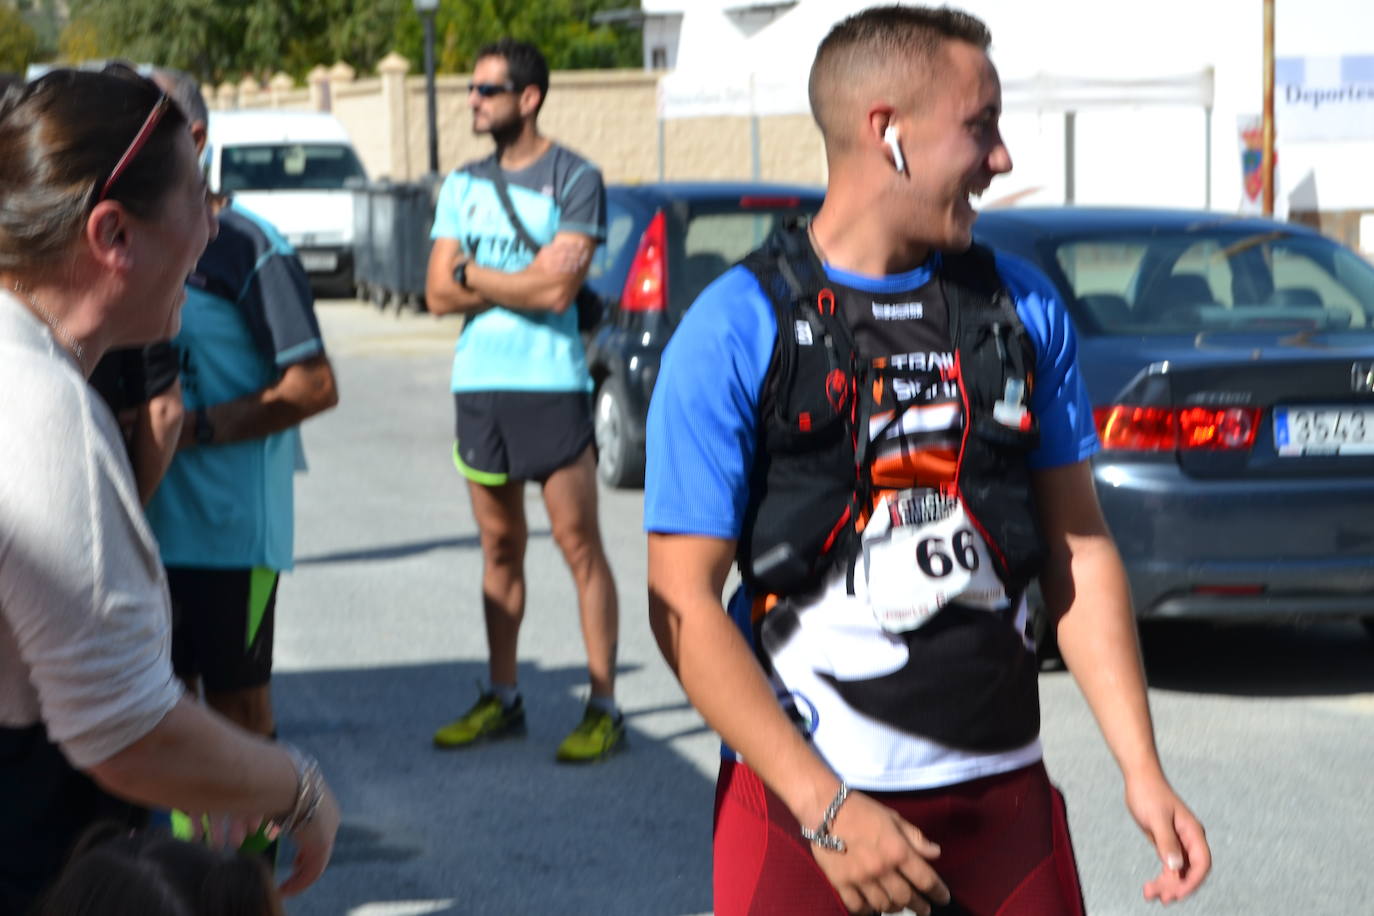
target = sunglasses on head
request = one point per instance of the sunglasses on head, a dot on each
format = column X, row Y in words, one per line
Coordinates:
column 144, row 132
column 487, row 90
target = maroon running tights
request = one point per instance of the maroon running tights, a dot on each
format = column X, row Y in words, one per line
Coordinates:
column 1004, row 841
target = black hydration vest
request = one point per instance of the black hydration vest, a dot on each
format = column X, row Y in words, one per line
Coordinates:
column 810, row 485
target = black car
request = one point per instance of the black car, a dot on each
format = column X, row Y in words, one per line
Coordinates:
column 665, row 242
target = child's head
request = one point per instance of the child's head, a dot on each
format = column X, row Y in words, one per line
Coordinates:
column 115, row 873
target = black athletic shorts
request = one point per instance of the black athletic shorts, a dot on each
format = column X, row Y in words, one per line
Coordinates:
column 519, row 435
column 222, row 623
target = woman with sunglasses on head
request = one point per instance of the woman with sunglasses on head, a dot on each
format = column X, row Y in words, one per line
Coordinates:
column 103, row 214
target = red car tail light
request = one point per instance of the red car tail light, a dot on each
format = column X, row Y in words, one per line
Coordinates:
column 1164, row 429
column 1136, row 429
column 646, row 285
column 760, row 201
column 1228, row 590
column 1227, row 428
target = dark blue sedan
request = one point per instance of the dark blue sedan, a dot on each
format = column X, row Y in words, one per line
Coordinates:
column 1230, row 361
column 1231, row 365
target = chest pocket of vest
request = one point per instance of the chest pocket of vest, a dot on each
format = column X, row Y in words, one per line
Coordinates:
column 994, row 478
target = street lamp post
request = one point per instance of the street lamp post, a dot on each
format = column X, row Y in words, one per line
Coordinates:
column 427, row 9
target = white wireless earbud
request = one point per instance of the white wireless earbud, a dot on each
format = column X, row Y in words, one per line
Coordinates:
column 890, row 138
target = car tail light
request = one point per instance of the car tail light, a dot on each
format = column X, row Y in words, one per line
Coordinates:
column 1165, row 429
column 758, row 201
column 1229, row 590
column 646, row 286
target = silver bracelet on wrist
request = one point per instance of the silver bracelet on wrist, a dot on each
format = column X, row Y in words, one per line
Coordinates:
column 309, row 792
column 822, row 836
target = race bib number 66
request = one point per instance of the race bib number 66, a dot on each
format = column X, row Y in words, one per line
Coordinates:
column 921, row 552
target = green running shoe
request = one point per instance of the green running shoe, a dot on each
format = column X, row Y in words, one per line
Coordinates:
column 487, row 720
column 597, row 736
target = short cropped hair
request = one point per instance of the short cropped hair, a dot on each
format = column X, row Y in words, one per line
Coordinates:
column 525, row 64
column 875, row 40
column 185, row 91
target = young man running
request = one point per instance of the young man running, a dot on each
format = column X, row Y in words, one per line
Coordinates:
column 513, row 237
column 887, row 430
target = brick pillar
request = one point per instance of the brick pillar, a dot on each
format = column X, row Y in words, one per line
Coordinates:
column 319, row 88
column 340, row 75
column 279, row 86
column 395, row 116
column 248, row 92
column 226, row 96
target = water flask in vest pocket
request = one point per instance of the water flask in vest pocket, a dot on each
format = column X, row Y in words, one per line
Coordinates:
column 920, row 552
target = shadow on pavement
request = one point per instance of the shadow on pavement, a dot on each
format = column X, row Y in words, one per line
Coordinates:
column 500, row 828
column 399, row 551
column 1259, row 660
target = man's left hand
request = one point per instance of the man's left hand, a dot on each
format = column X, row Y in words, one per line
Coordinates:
column 1178, row 838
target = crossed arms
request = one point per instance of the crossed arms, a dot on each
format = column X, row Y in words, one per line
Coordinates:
column 548, row 284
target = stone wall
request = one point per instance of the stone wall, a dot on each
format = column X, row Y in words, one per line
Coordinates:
column 609, row 116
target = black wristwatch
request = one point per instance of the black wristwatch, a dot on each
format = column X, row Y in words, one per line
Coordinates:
column 460, row 275
column 205, row 430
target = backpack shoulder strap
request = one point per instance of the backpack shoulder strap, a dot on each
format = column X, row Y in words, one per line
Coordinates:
column 490, row 168
column 790, row 276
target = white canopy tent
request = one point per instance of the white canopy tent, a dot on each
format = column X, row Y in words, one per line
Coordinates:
column 1105, row 102
column 767, row 73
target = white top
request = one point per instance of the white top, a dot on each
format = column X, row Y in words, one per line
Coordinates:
column 85, row 619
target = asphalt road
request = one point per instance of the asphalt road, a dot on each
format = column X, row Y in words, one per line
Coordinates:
column 1268, row 732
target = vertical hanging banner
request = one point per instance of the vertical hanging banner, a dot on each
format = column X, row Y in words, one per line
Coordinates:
column 1324, row 98
column 1251, row 131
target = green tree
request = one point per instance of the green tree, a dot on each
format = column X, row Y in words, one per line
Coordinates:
column 224, row 39
column 562, row 29
column 79, row 41
column 18, row 41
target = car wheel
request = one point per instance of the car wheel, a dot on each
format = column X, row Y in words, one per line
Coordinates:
column 618, row 461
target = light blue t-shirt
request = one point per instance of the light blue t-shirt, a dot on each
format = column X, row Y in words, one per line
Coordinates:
column 248, row 315
column 505, row 348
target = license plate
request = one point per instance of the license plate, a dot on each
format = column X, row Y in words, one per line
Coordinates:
column 1324, row 430
column 319, row 261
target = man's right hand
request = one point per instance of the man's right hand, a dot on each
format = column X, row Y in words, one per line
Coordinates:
column 314, row 843
column 885, row 864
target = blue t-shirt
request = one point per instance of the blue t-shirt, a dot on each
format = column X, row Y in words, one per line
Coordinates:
column 506, row 348
column 248, row 315
column 836, row 668
column 701, row 431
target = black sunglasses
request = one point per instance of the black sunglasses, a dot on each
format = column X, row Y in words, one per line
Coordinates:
column 488, row 90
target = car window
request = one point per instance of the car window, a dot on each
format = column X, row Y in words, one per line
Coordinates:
column 1216, row 281
column 716, row 240
column 288, row 167
column 619, row 224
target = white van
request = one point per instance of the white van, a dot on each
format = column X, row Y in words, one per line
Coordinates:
column 290, row 168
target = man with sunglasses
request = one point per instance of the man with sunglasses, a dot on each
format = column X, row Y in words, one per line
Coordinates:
column 513, row 237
